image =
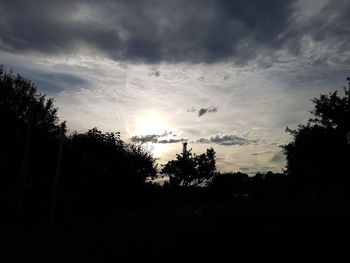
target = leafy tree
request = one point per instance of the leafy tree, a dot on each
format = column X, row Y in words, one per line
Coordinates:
column 104, row 154
column 29, row 141
column 99, row 169
column 191, row 170
column 319, row 152
column 20, row 107
column 140, row 162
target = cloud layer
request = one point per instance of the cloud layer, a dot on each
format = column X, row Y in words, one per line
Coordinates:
column 109, row 63
column 153, row 31
column 196, row 31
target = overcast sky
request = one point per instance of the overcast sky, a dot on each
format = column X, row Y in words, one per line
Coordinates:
column 226, row 74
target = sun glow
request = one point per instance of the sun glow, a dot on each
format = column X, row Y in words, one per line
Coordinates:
column 157, row 149
column 152, row 123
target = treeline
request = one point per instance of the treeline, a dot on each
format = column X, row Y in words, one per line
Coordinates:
column 188, row 171
column 260, row 187
column 46, row 172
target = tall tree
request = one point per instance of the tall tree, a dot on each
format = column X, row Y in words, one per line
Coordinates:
column 190, row 170
column 319, row 152
column 29, row 141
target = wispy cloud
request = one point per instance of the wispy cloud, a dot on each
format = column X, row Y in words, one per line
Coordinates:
column 255, row 170
column 192, row 109
column 227, row 140
column 262, row 153
column 172, row 140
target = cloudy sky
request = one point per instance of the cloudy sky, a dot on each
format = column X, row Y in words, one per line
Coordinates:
column 226, row 74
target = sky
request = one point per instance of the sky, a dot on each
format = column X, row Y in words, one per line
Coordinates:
column 226, row 74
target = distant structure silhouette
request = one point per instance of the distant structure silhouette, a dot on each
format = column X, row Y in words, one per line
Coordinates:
column 184, row 148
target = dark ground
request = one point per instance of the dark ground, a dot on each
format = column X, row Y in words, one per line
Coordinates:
column 228, row 231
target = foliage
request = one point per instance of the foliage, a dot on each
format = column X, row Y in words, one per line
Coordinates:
column 98, row 153
column 29, row 142
column 20, row 104
column 22, row 107
column 100, row 170
column 191, row 170
column 141, row 162
column 319, row 153
column 96, row 168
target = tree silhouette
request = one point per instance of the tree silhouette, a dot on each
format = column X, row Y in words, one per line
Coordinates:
column 20, row 107
column 319, row 152
column 100, row 171
column 43, row 170
column 190, row 170
column 29, row 141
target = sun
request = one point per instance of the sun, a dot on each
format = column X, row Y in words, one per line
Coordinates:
column 151, row 123
column 157, row 149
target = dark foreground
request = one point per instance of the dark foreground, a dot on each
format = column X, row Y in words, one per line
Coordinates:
column 218, row 231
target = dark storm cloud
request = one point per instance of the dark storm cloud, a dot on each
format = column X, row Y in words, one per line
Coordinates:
column 227, row 140
column 332, row 24
column 203, row 111
column 148, row 31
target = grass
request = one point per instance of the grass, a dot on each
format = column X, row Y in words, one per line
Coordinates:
column 215, row 231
